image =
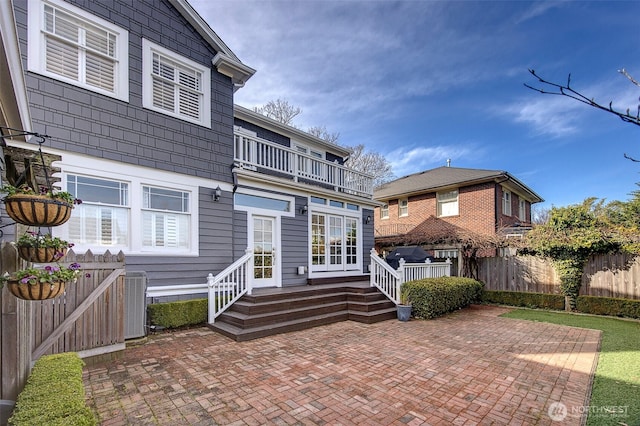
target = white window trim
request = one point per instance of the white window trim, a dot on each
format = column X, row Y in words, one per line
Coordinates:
column 266, row 212
column 136, row 177
column 36, row 51
column 314, row 270
column 406, row 213
column 522, row 210
column 148, row 48
column 506, row 204
column 384, row 208
column 438, row 203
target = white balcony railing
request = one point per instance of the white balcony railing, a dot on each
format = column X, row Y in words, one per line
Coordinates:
column 261, row 155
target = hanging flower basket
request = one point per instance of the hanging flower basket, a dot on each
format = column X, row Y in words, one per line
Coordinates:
column 41, row 248
column 40, row 283
column 38, row 291
column 37, row 210
column 41, row 254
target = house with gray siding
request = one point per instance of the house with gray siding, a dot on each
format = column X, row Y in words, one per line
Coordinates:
column 137, row 99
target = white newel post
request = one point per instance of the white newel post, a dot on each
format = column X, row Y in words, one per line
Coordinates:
column 400, row 279
column 250, row 275
column 448, row 262
column 373, row 268
column 212, row 297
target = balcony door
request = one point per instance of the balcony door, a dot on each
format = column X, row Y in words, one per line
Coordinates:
column 265, row 271
column 334, row 243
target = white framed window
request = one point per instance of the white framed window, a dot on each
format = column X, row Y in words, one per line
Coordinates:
column 403, row 207
column 134, row 209
column 175, row 85
column 506, row 203
column 102, row 219
column 522, row 210
column 447, row 203
column 384, row 211
column 71, row 45
column 446, row 254
column 165, row 218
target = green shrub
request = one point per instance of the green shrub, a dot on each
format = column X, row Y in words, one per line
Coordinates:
column 609, row 306
column 54, row 394
column 528, row 300
column 432, row 297
column 178, row 314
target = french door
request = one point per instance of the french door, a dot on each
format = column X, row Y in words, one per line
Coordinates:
column 334, row 242
column 265, row 272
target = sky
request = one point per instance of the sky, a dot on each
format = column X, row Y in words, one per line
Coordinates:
column 420, row 82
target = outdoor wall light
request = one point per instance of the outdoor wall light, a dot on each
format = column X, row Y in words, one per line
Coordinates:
column 303, row 209
column 368, row 220
column 217, row 193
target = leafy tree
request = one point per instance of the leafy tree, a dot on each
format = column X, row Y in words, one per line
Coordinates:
column 571, row 235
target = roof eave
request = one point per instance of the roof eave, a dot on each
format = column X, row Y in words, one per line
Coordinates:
column 225, row 60
column 13, row 82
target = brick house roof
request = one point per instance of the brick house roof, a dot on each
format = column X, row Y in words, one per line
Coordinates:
column 450, row 177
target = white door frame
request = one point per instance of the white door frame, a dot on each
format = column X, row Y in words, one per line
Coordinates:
column 276, row 279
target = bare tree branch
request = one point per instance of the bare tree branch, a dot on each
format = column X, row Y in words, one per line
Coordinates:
column 280, row 110
column 566, row 90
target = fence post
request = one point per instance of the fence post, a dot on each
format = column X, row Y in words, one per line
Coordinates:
column 448, row 262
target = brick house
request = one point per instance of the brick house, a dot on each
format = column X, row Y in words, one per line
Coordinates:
column 433, row 205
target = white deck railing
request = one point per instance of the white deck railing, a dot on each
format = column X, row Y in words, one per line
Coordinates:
column 389, row 280
column 230, row 285
column 255, row 153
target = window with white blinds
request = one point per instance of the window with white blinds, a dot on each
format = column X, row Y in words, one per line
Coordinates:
column 175, row 85
column 102, row 219
column 448, row 203
column 69, row 44
column 165, row 218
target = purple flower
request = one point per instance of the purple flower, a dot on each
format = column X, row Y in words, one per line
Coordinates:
column 74, row 266
column 26, row 280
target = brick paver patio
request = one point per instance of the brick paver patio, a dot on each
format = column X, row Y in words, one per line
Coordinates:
column 467, row 368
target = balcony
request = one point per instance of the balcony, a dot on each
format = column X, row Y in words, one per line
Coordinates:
column 259, row 155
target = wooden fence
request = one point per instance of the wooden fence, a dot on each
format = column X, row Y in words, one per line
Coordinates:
column 615, row 275
column 88, row 318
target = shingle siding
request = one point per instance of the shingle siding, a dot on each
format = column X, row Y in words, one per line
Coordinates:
column 126, row 132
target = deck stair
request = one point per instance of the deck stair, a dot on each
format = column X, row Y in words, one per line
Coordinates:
column 272, row 311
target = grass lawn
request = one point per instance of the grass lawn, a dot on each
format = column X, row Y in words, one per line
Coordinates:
column 617, row 377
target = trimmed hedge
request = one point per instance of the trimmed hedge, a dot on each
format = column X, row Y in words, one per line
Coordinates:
column 528, row 300
column 54, row 394
column 178, row 314
column 432, row 297
column 609, row 306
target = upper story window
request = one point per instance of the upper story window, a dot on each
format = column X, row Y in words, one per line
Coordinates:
column 175, row 85
column 506, row 203
column 384, row 211
column 403, row 207
column 71, row 45
column 522, row 211
column 447, row 203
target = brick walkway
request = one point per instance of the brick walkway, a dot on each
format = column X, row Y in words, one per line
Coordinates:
column 467, row 368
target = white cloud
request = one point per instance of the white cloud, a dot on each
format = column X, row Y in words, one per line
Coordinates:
column 408, row 160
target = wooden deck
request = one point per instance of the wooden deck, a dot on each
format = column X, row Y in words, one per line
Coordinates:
column 270, row 311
